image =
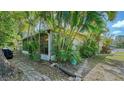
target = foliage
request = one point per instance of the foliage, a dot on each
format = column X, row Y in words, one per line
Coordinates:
column 63, row 56
column 90, row 47
column 66, row 23
column 111, row 15
column 8, row 34
column 63, row 51
column 32, row 47
column 106, row 45
column 76, row 58
column 95, row 25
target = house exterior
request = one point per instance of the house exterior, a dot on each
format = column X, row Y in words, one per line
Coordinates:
column 45, row 41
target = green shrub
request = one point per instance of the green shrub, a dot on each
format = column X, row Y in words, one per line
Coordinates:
column 89, row 48
column 64, row 55
column 63, row 49
column 105, row 48
column 32, row 47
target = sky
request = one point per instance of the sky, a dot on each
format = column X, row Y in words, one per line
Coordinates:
column 116, row 27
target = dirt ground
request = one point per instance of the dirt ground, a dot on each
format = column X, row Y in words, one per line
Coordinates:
column 96, row 68
column 110, row 68
column 42, row 67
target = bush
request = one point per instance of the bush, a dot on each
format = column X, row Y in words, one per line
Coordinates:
column 32, row 48
column 106, row 46
column 63, row 49
column 63, row 55
column 105, row 50
column 89, row 48
column 68, row 56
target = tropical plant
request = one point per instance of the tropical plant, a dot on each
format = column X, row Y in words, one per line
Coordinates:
column 90, row 46
column 67, row 24
column 95, row 25
column 106, row 45
column 8, row 35
column 32, row 48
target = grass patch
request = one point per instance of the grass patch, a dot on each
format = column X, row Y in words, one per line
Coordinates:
column 119, row 53
column 119, row 56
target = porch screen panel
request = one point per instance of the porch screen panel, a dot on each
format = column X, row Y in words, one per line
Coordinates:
column 44, row 44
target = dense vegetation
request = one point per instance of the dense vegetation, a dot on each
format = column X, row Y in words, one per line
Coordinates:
column 13, row 25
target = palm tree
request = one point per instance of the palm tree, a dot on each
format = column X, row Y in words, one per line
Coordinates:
column 68, row 24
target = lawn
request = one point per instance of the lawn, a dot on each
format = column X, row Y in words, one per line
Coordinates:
column 119, row 56
column 119, row 53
